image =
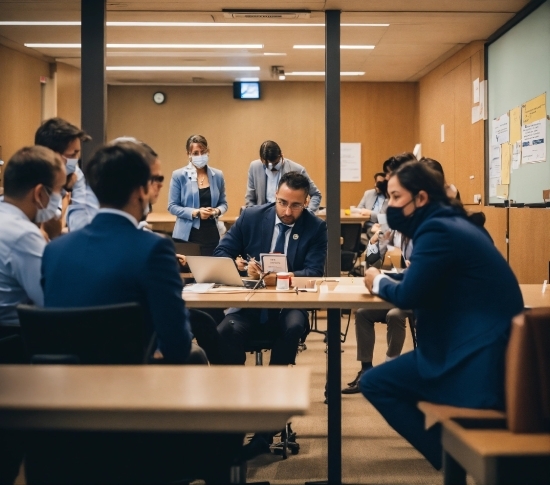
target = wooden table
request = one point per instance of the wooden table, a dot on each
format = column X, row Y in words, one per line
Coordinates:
column 533, row 297
column 151, row 398
column 165, row 221
column 325, row 298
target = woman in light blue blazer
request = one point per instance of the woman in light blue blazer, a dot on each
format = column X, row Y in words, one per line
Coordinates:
column 197, row 198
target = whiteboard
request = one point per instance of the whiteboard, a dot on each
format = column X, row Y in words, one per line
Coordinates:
column 518, row 70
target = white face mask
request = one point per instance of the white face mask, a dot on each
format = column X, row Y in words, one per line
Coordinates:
column 276, row 167
column 71, row 165
column 199, row 161
column 44, row 214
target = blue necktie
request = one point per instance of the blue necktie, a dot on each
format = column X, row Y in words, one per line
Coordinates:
column 280, row 243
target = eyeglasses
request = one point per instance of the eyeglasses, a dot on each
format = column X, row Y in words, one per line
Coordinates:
column 295, row 207
column 156, row 178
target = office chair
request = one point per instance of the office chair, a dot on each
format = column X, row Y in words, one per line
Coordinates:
column 288, row 437
column 110, row 334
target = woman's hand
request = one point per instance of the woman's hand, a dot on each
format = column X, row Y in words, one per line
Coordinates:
column 375, row 229
column 370, row 274
column 205, row 212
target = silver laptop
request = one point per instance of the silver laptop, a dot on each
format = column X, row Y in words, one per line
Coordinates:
column 209, row 269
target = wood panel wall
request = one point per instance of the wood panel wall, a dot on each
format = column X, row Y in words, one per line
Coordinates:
column 530, row 244
column 68, row 93
column 496, row 224
column 446, row 98
column 291, row 113
column 20, row 99
column 383, row 117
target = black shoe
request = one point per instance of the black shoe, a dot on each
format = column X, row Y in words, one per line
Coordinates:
column 258, row 445
column 356, row 380
column 353, row 389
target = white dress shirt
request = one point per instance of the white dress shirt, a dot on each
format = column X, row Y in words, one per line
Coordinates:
column 276, row 234
column 272, row 184
column 21, row 249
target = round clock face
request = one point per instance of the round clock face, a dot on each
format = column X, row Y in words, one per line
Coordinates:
column 159, row 97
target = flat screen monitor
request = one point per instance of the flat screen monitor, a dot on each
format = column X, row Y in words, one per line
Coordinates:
column 246, row 90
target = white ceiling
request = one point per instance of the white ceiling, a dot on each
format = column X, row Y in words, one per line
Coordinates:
column 421, row 34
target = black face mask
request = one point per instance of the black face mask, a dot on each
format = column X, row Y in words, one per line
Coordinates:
column 406, row 225
column 382, row 186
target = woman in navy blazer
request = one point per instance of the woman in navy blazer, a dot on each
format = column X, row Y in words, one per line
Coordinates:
column 197, row 198
column 464, row 296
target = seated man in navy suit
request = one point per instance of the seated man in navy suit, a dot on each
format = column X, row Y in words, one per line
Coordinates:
column 111, row 261
column 280, row 227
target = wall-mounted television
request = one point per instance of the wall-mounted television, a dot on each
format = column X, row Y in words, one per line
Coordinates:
column 246, row 90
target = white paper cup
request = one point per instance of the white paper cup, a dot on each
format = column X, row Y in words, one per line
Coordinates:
column 283, row 281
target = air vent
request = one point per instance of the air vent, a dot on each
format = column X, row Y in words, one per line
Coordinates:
column 266, row 14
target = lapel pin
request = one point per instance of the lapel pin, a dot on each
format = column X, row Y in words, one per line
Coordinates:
column 295, row 237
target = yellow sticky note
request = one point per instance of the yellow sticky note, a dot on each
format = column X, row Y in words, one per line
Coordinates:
column 502, row 191
column 505, row 157
column 534, row 110
column 515, row 125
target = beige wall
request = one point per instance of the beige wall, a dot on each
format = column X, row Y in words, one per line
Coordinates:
column 68, row 93
column 291, row 113
column 20, row 99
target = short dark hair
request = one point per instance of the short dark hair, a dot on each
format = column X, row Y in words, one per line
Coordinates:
column 56, row 134
column 433, row 164
column 379, row 174
column 149, row 152
column 29, row 167
column 295, row 181
column 270, row 151
column 115, row 171
column 393, row 163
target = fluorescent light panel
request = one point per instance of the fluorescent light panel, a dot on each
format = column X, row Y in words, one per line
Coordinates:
column 321, row 46
column 182, row 68
column 151, row 46
column 180, row 24
column 247, row 79
column 322, row 73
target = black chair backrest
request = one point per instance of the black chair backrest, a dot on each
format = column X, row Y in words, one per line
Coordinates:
column 111, row 334
column 352, row 237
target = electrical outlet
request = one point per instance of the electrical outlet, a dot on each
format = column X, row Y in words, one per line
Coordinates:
column 477, row 199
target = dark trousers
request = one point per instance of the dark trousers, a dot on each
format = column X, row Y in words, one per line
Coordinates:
column 284, row 326
column 394, row 389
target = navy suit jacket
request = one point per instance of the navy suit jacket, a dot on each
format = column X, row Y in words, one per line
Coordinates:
column 110, row 261
column 463, row 292
column 252, row 234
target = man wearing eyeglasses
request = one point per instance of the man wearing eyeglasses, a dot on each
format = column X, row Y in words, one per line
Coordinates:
column 280, row 227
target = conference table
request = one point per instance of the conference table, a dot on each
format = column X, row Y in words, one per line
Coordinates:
column 332, row 294
column 151, row 398
column 165, row 222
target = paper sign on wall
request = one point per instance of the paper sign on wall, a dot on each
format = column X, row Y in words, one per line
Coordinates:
column 500, row 130
column 533, row 148
column 534, row 110
column 505, row 156
column 350, row 162
column 515, row 124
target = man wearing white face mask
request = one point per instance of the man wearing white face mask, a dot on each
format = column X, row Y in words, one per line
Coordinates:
column 197, row 198
column 65, row 139
column 264, row 175
column 32, row 192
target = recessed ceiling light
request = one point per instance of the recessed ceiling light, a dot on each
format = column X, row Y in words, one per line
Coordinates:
column 321, row 46
column 183, row 24
column 322, row 73
column 274, row 53
column 151, row 46
column 247, row 79
column 181, row 68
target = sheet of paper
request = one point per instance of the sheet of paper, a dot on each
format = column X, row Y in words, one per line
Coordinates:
column 495, row 163
column 350, row 162
column 476, row 90
column 506, row 157
column 275, row 263
column 534, row 110
column 533, row 148
column 493, row 182
column 502, row 191
column 500, row 130
column 516, row 155
column 198, row 287
column 515, row 124
column 482, row 98
column 476, row 114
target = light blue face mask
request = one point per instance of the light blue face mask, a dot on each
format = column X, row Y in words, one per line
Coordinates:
column 276, row 167
column 71, row 165
column 44, row 214
column 200, row 161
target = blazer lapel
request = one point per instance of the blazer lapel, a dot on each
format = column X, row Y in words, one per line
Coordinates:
column 268, row 226
column 214, row 192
